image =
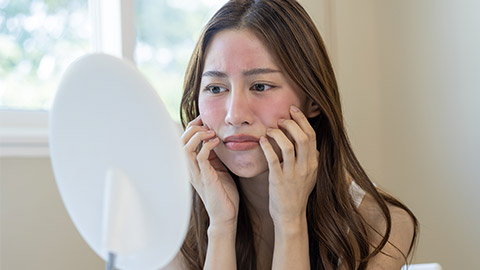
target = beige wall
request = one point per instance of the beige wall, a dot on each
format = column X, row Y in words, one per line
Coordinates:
column 408, row 75
column 35, row 230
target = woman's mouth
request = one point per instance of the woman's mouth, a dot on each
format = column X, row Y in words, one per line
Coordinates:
column 241, row 142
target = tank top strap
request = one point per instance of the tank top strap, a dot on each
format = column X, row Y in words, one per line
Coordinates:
column 357, row 193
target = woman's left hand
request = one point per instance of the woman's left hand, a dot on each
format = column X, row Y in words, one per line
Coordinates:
column 291, row 181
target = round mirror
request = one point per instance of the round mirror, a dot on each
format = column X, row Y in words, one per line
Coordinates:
column 119, row 164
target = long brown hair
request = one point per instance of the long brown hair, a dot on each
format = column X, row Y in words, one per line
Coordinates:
column 290, row 35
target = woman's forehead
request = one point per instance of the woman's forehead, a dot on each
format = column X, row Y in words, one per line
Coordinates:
column 237, row 51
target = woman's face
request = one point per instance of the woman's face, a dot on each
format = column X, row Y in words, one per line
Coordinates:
column 243, row 92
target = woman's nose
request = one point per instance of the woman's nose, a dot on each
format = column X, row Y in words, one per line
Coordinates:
column 238, row 110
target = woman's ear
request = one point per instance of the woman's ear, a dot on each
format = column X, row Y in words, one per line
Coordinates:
column 312, row 110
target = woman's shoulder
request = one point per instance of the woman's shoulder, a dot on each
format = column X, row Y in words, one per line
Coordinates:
column 401, row 234
column 372, row 213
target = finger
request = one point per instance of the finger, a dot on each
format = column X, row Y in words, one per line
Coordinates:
column 301, row 140
column 303, row 123
column 286, row 146
column 196, row 139
column 190, row 131
column 272, row 158
column 190, row 149
column 194, row 172
column 195, row 122
column 190, row 128
column 202, row 157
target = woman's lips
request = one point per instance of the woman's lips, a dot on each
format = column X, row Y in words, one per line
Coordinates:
column 240, row 142
column 240, row 146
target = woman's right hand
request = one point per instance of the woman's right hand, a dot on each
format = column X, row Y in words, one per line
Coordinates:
column 209, row 176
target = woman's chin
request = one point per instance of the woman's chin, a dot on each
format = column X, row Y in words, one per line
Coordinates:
column 249, row 170
column 243, row 174
column 244, row 164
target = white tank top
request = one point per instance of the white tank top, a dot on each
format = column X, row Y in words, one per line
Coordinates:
column 357, row 193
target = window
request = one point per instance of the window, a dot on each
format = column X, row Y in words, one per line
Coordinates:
column 40, row 38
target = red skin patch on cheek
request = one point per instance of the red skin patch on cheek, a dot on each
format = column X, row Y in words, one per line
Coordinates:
column 271, row 110
column 210, row 112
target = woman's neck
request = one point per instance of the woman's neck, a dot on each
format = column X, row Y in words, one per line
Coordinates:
column 255, row 191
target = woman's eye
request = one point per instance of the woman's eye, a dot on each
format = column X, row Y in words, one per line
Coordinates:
column 260, row 87
column 215, row 89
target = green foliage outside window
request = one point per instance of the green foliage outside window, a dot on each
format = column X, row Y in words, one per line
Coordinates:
column 38, row 40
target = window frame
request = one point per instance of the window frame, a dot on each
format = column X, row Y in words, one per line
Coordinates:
column 24, row 133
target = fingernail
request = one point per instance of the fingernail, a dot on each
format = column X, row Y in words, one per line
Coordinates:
column 263, row 139
column 280, row 121
column 294, row 108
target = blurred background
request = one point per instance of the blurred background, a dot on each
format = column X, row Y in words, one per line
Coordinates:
column 408, row 76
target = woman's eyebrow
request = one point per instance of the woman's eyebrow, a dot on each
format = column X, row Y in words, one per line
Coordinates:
column 256, row 71
column 214, row 73
column 250, row 72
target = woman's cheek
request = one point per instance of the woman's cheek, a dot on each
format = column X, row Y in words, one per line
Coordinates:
column 210, row 112
column 271, row 116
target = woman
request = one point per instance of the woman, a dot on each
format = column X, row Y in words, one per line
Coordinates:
column 276, row 182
